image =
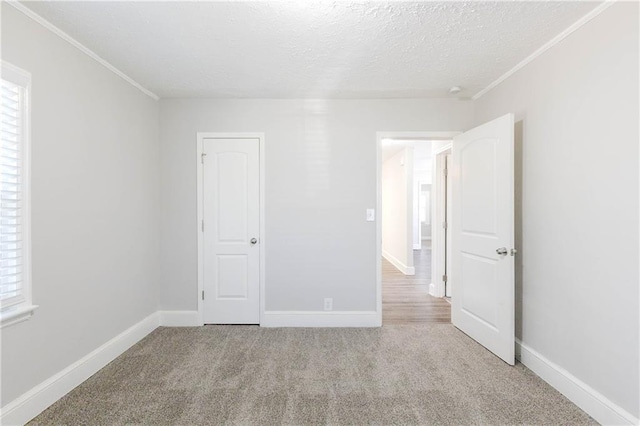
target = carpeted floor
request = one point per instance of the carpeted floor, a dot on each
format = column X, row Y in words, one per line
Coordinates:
column 242, row 375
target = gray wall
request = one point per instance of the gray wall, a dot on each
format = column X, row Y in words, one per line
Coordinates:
column 95, row 206
column 578, row 108
column 320, row 179
column 397, row 209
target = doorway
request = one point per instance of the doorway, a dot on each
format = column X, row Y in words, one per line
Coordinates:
column 481, row 246
column 406, row 226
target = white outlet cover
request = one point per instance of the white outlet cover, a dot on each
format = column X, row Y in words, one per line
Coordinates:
column 371, row 215
column 328, row 304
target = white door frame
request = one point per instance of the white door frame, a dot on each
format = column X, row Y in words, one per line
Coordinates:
column 438, row 235
column 379, row 137
column 200, row 215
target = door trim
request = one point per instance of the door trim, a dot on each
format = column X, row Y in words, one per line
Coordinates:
column 200, row 137
column 379, row 137
column 439, row 198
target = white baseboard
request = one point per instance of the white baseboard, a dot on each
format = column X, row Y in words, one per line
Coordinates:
column 591, row 401
column 432, row 290
column 179, row 319
column 321, row 319
column 33, row 402
column 437, row 290
column 407, row 270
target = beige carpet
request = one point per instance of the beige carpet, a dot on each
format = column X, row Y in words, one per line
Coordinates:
column 409, row 374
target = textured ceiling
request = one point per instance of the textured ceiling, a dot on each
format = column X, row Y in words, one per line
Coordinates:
column 333, row 49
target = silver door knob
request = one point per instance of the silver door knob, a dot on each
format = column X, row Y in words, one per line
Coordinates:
column 502, row 251
column 253, row 241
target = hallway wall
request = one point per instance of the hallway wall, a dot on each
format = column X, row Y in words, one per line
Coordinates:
column 397, row 210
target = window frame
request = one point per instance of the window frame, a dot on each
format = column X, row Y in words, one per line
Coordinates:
column 23, row 310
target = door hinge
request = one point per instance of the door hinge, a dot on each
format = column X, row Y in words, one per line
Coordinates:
column 445, row 171
column 202, row 294
column 445, row 225
column 202, row 226
column 445, row 278
column 202, row 157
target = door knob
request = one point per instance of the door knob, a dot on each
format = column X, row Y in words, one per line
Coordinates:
column 254, row 241
column 502, row 251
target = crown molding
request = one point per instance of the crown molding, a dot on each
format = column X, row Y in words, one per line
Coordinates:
column 548, row 45
column 576, row 25
column 57, row 31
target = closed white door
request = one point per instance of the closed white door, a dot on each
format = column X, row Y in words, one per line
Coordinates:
column 231, row 250
column 482, row 264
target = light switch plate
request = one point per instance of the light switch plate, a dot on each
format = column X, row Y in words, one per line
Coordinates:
column 371, row 215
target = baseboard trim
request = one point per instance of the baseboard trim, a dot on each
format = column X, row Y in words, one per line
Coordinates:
column 320, row 319
column 33, row 402
column 407, row 270
column 179, row 318
column 591, row 401
column 432, row 290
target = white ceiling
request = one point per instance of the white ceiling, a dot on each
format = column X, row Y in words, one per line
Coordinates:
column 296, row 49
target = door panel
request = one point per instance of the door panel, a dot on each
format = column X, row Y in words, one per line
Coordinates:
column 231, row 188
column 482, row 222
column 232, row 279
column 478, row 186
column 476, row 299
column 232, row 191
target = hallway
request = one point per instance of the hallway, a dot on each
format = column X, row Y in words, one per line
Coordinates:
column 406, row 299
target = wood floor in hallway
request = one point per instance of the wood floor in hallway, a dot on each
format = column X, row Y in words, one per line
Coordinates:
column 406, row 298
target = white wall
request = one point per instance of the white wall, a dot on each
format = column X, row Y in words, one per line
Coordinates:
column 420, row 177
column 95, row 206
column 425, row 227
column 577, row 106
column 416, row 237
column 397, row 210
column 320, row 179
column 422, row 174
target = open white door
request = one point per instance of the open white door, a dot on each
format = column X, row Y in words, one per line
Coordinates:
column 482, row 264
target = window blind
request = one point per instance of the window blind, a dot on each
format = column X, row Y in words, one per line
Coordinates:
column 11, row 190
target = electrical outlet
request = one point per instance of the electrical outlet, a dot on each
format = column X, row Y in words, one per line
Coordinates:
column 371, row 215
column 328, row 304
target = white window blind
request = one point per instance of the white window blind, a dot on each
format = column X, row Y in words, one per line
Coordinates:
column 11, row 284
column 14, row 219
